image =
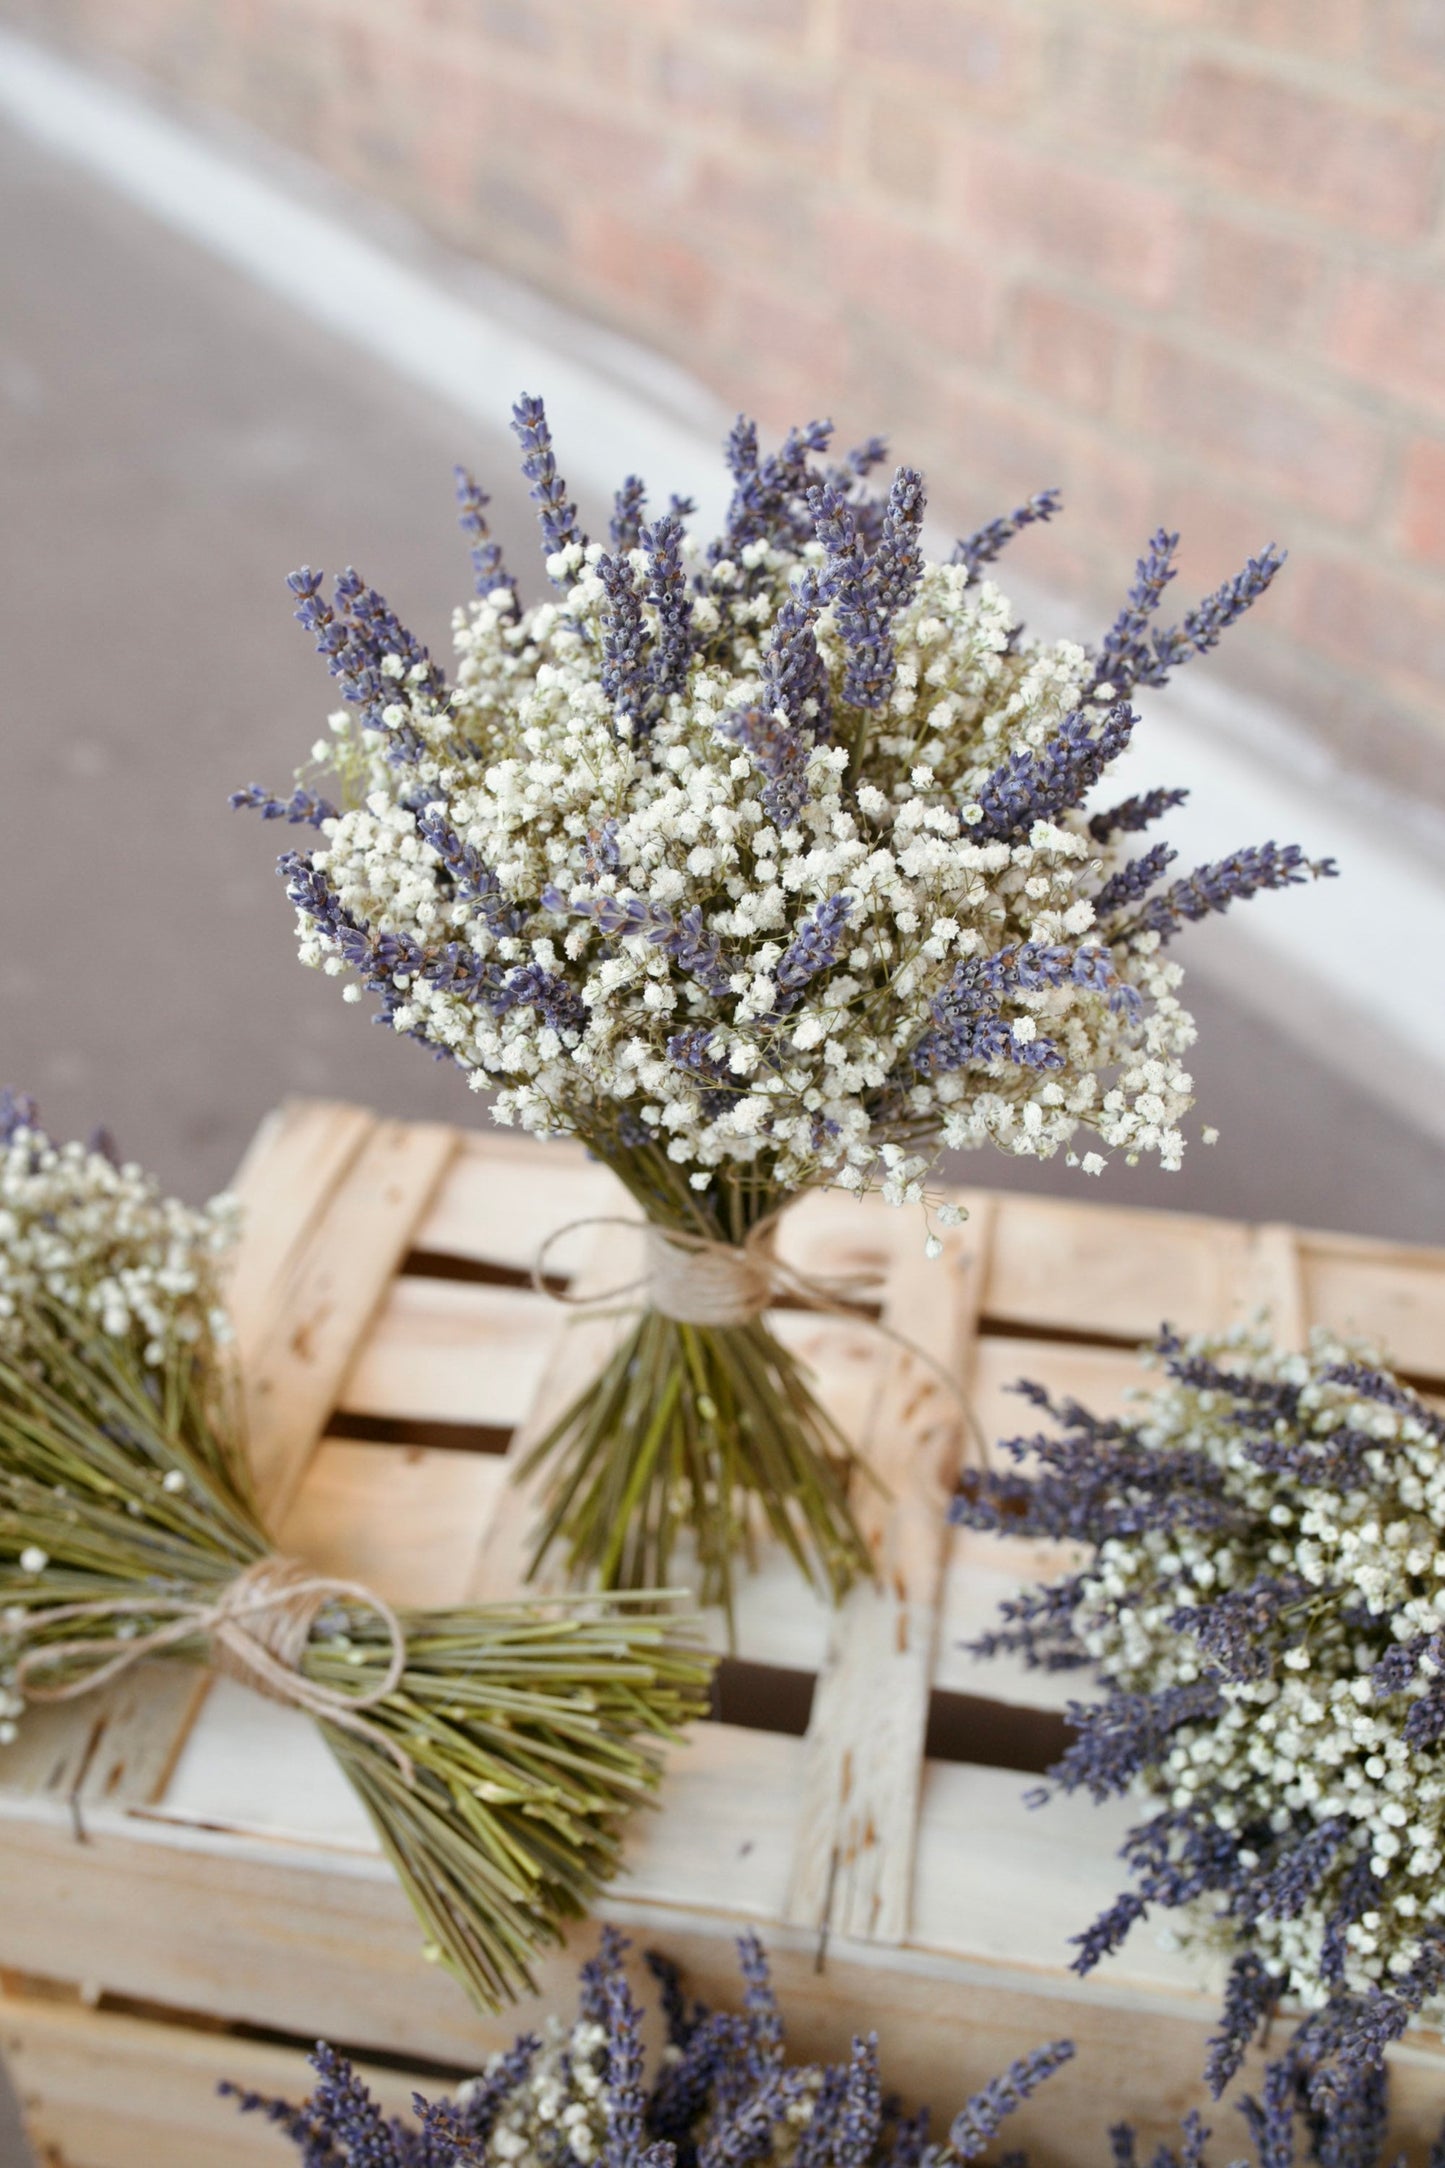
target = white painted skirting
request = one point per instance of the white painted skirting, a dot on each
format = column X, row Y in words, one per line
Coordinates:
column 1354, row 969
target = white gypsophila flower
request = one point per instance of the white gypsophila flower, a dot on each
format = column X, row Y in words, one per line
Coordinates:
column 645, row 891
column 81, row 1235
column 1306, row 1595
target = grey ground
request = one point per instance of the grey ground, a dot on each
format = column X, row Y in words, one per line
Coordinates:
column 172, row 443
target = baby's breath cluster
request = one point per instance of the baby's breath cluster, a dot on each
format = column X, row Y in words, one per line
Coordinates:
column 82, row 1235
column 771, row 855
column 1266, row 1605
column 759, row 865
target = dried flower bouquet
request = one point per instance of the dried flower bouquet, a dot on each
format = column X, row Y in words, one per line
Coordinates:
column 759, row 867
column 495, row 1748
column 1266, row 1608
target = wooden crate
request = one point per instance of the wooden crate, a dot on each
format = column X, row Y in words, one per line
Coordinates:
column 182, row 1866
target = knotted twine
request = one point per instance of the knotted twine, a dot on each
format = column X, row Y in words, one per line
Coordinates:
column 258, row 1626
column 701, row 1280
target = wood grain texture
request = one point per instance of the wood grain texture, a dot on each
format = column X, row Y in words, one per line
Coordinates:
column 853, row 1871
column 324, row 1297
column 103, row 2090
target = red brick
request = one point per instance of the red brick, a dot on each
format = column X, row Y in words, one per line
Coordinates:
column 1005, row 450
column 1263, row 285
column 790, row 114
column 902, row 149
column 1320, row 456
column 1415, row 38
column 1391, row 331
column 786, row 358
column 1422, row 502
column 1115, row 233
column 1373, row 621
column 743, row 211
column 1065, row 350
column 1105, row 83
column 691, row 82
column 632, row 263
column 1324, row 29
column 984, row 54
column 1372, row 170
column 778, row 21
column 1218, row 530
column 626, row 161
column 939, row 292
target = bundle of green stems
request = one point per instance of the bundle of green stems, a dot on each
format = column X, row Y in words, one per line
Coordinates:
column 497, row 1768
column 704, row 1432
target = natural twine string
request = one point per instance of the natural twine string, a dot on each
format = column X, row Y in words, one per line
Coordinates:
column 258, row 1626
column 698, row 1280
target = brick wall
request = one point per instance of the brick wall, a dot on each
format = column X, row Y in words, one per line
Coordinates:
column 1185, row 258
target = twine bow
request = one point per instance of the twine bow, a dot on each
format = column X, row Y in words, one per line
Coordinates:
column 258, row 1626
column 700, row 1280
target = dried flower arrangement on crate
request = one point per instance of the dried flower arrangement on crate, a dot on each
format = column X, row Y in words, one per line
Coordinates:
column 726, row 2095
column 1265, row 1605
column 757, row 866
column 495, row 1748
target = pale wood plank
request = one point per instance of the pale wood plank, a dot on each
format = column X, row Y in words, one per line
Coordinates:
column 1274, row 1283
column 1392, row 1296
column 402, row 1519
column 1101, row 1378
column 612, row 1258
column 101, row 2090
column 326, row 1296
column 854, row 1865
column 1010, row 1885
column 982, row 1572
column 288, row 1175
column 453, row 1352
column 1091, row 1268
column 502, row 1194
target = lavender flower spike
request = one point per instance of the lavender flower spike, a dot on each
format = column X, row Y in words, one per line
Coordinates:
column 975, row 2125
column 986, row 543
column 814, row 947
column 1228, row 880
column 667, row 592
column 560, row 529
column 625, row 675
column 304, row 808
column 625, row 527
column 780, row 753
column 492, row 575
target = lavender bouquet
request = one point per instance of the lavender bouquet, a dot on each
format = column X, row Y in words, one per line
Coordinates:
column 726, row 2094
column 1265, row 1604
column 759, row 866
column 495, row 1748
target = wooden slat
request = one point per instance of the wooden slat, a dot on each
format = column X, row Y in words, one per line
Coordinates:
column 1273, row 1283
column 1101, row 1378
column 1387, row 1294
column 401, row 1518
column 285, row 1181
column 326, row 1295
column 853, row 1871
column 101, row 2090
column 503, row 1194
column 453, row 1352
column 1096, row 1269
column 612, row 1257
